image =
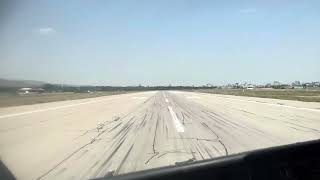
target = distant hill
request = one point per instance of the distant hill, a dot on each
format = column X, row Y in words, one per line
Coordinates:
column 20, row 83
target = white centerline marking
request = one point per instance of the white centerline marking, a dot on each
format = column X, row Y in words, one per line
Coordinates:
column 176, row 121
column 53, row 108
column 166, row 100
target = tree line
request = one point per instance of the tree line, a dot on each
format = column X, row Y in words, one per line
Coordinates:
column 61, row 88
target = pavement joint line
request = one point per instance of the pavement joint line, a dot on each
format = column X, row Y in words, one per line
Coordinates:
column 53, row 108
column 179, row 127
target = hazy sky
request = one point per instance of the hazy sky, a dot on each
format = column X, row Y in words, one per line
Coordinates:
column 103, row 42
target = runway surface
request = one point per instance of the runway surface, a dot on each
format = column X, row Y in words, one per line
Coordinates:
column 87, row 138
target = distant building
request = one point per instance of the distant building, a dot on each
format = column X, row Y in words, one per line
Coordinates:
column 313, row 84
column 305, row 85
column 250, row 86
column 260, row 86
column 30, row 90
column 228, row 86
column 268, row 85
column 297, row 87
column 296, row 83
column 316, row 84
column 210, row 85
column 276, row 83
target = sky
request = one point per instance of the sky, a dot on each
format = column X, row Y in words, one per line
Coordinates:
column 104, row 42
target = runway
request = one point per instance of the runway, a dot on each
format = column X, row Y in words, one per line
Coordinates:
column 104, row 136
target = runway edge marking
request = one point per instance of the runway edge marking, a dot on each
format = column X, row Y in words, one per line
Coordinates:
column 53, row 108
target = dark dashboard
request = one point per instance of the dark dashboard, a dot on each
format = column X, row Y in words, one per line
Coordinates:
column 289, row 162
column 298, row 161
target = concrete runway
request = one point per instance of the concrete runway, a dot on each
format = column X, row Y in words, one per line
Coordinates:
column 94, row 137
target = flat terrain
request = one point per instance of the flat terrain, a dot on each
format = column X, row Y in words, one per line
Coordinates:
column 87, row 138
column 17, row 100
column 310, row 95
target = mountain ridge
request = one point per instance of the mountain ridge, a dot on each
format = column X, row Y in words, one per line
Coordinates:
column 20, row 83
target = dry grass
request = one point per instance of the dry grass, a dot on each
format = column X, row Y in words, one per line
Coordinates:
column 17, row 100
column 291, row 94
